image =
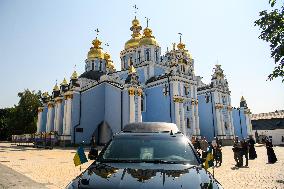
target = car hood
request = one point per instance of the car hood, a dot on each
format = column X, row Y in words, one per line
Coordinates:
column 144, row 175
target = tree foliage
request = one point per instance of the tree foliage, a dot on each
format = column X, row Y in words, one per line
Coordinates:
column 21, row 118
column 272, row 30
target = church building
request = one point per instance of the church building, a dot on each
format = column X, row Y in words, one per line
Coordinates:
column 150, row 87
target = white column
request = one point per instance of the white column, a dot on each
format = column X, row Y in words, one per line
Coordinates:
column 139, row 106
column 48, row 119
column 131, row 106
column 39, row 119
column 68, row 116
column 193, row 118
column 175, row 88
column 182, row 119
column 58, row 116
column 197, row 120
column 177, row 116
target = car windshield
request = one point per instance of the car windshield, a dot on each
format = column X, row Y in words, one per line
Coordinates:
column 149, row 149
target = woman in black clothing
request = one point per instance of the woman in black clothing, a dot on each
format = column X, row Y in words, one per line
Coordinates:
column 252, row 152
column 270, row 152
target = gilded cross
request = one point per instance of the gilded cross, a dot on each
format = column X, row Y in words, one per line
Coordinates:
column 135, row 10
column 147, row 19
column 180, row 34
column 97, row 31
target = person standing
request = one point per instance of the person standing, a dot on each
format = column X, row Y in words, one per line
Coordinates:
column 203, row 146
column 270, row 152
column 252, row 152
column 237, row 152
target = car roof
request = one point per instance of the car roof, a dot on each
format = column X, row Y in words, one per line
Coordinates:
column 151, row 127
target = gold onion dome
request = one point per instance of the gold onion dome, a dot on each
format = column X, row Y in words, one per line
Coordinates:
column 136, row 36
column 56, row 88
column 45, row 95
column 108, row 60
column 74, row 75
column 96, row 51
column 147, row 38
column 64, row 82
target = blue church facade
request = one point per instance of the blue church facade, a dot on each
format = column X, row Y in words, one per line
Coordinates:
column 150, row 87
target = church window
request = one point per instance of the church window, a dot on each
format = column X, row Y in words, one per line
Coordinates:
column 147, row 54
column 156, row 53
column 143, row 104
column 131, row 61
column 93, row 65
column 139, row 56
column 124, row 62
column 187, row 123
column 185, row 90
column 187, row 107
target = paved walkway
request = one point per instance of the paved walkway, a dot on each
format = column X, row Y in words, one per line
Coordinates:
column 55, row 168
column 14, row 180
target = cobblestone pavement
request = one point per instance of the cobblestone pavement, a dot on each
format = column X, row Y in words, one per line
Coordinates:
column 55, row 168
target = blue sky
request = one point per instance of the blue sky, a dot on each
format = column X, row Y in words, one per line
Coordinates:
column 41, row 41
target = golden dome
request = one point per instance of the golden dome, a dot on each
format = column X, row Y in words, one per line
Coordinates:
column 135, row 22
column 74, row 75
column 181, row 46
column 64, row 82
column 56, row 88
column 96, row 51
column 134, row 41
column 110, row 63
column 45, row 95
column 147, row 38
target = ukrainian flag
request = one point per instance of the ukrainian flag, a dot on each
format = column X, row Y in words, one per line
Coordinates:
column 80, row 157
column 209, row 162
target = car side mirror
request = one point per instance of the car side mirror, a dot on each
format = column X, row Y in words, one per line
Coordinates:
column 93, row 154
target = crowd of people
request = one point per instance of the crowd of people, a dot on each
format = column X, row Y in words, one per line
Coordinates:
column 243, row 150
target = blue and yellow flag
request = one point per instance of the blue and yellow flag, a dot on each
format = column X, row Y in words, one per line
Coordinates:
column 209, row 162
column 80, row 157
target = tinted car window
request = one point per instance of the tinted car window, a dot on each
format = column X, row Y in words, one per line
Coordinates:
column 148, row 149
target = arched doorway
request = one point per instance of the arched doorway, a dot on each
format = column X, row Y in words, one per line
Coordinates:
column 104, row 133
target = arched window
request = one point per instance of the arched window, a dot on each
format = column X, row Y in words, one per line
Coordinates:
column 139, row 56
column 156, row 53
column 187, row 123
column 130, row 61
column 147, row 55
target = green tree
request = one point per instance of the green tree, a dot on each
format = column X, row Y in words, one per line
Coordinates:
column 26, row 111
column 22, row 118
column 272, row 30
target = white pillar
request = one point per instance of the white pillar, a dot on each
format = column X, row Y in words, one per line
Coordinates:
column 58, row 116
column 177, row 116
column 182, row 119
column 67, row 115
column 131, row 105
column 48, row 119
column 197, row 119
column 248, row 123
column 139, row 92
column 193, row 118
column 39, row 119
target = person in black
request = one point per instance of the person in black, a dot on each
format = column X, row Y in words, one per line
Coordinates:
column 237, row 152
column 270, row 152
column 245, row 149
column 252, row 152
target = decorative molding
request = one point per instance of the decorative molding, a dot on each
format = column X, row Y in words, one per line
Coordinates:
column 131, row 91
column 58, row 100
column 68, row 95
column 50, row 104
column 219, row 106
column 40, row 109
column 139, row 92
column 178, row 99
